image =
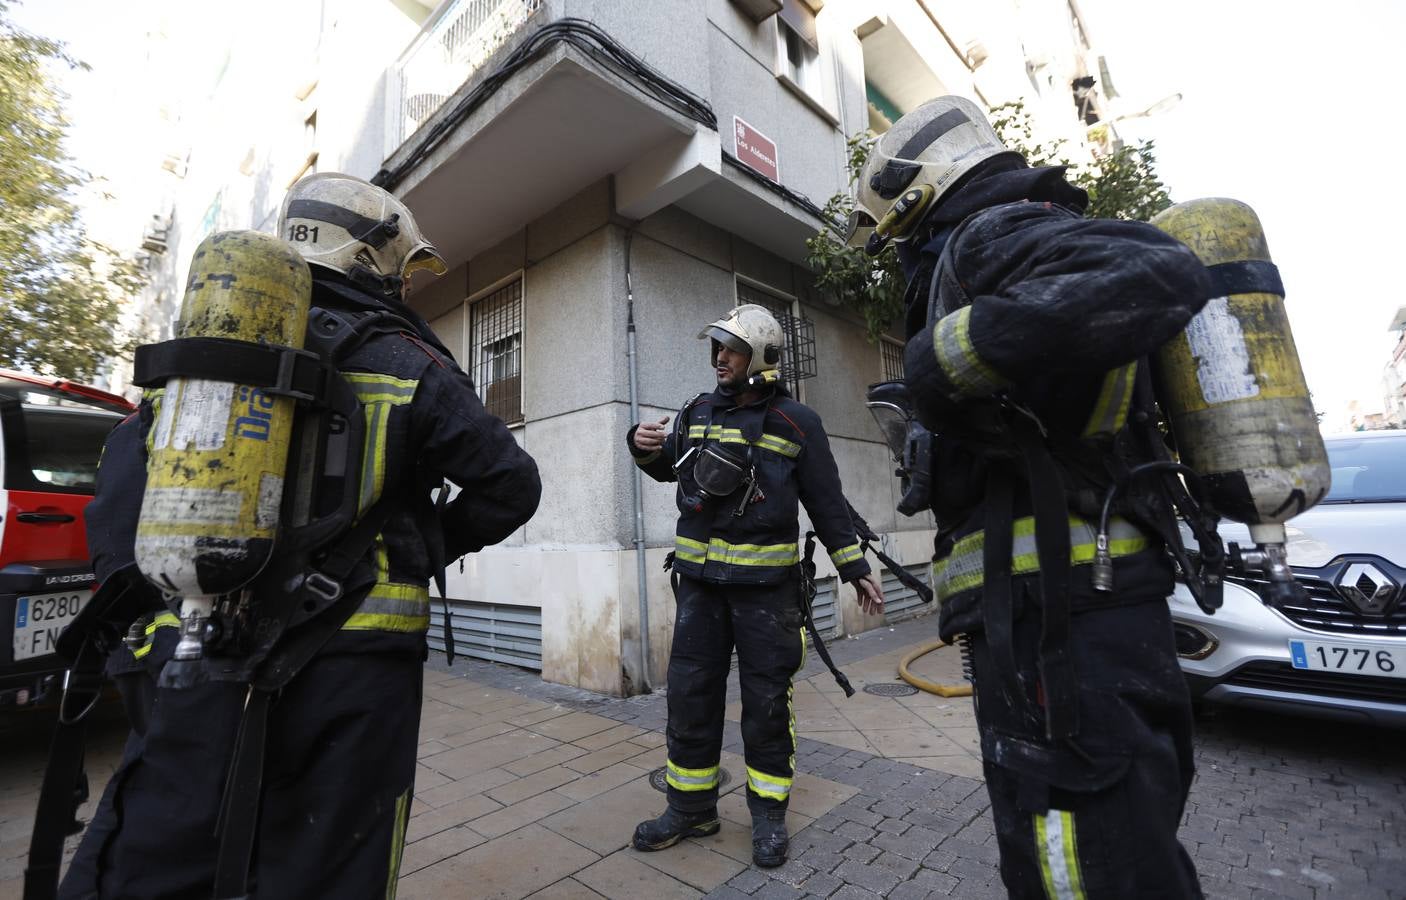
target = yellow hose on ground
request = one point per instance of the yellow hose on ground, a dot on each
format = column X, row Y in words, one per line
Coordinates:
column 922, row 684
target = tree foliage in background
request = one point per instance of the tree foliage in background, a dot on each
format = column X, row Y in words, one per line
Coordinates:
column 60, row 292
column 1121, row 185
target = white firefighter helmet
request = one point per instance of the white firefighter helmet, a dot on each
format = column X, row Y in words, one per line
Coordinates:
column 750, row 329
column 353, row 227
column 913, row 164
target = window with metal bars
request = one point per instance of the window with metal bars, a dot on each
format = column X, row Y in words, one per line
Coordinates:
column 893, row 360
column 798, row 354
column 496, row 351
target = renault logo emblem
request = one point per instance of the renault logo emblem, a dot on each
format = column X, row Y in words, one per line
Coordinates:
column 1367, row 588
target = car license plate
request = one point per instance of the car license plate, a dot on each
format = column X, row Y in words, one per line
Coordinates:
column 1353, row 659
column 39, row 619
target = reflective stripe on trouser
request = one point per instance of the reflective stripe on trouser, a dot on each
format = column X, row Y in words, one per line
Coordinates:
column 1056, row 846
column 764, row 622
column 961, row 569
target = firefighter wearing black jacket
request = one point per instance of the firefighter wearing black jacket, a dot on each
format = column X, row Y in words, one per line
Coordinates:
column 743, row 456
column 1026, row 323
column 341, row 737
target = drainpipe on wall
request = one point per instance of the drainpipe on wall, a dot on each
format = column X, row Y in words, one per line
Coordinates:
column 636, row 482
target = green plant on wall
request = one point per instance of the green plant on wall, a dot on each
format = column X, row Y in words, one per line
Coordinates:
column 1121, row 185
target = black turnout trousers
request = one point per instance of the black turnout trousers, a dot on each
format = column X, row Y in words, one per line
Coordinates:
column 765, row 624
column 338, row 775
column 1096, row 817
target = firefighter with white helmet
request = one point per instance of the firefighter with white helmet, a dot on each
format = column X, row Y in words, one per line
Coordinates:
column 279, row 754
column 744, row 456
column 1028, row 331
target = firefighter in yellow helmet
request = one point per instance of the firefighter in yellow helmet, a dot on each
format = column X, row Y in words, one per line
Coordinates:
column 295, row 778
column 1026, row 324
column 744, row 456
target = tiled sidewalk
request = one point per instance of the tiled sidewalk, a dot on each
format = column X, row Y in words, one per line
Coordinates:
column 527, row 789
column 516, row 797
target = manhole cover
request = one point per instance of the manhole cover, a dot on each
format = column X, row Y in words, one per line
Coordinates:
column 657, row 781
column 890, row 690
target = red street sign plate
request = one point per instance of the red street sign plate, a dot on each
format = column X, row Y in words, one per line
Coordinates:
column 756, row 150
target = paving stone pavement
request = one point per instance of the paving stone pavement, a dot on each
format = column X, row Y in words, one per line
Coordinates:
column 531, row 789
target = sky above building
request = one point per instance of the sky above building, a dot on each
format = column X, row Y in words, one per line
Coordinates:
column 1285, row 106
column 1288, row 107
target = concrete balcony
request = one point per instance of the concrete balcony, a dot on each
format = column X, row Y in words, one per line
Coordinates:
column 548, row 106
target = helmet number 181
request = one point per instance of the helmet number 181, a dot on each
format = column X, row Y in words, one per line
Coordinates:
column 302, row 233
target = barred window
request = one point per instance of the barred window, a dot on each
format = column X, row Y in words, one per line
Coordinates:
column 496, row 348
column 893, row 360
column 798, row 354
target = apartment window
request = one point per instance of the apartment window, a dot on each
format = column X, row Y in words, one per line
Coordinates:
column 798, row 355
column 797, row 49
column 892, row 353
column 496, row 349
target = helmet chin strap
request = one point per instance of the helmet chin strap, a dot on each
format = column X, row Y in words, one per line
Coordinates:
column 386, row 285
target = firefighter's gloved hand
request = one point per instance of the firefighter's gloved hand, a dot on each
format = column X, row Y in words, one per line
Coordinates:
column 869, row 592
column 649, row 436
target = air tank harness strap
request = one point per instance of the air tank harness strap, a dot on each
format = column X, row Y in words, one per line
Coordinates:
column 284, row 371
column 239, row 812
column 1246, row 276
column 1057, row 687
column 806, row 570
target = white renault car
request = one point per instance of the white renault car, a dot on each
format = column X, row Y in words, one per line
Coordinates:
column 1341, row 652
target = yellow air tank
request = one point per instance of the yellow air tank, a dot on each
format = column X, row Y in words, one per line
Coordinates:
column 1234, row 391
column 218, row 450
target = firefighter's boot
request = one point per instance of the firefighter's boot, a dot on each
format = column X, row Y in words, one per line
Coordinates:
column 769, row 838
column 673, row 826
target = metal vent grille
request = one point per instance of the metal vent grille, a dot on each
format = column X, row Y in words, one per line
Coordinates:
column 1326, row 610
column 1284, row 677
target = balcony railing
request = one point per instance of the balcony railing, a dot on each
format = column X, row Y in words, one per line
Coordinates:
column 444, row 56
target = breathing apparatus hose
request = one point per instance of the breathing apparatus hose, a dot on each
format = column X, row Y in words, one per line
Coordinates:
column 922, row 684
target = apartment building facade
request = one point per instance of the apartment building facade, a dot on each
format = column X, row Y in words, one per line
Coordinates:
column 604, row 177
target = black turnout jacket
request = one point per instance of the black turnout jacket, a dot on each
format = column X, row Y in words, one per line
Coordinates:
column 786, row 446
column 1053, row 311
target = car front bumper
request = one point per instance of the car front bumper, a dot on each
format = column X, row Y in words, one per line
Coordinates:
column 1242, row 658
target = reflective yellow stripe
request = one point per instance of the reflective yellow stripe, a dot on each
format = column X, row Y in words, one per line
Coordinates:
column 377, row 393
column 719, row 550
column 1057, row 848
column 780, row 445
column 402, row 809
column 846, row 555
column 968, row 372
column 961, row 570
column 1114, row 398
column 690, row 550
column 773, row 787
column 372, row 387
column 401, row 608
column 723, row 435
column 164, row 620
column 690, row 779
